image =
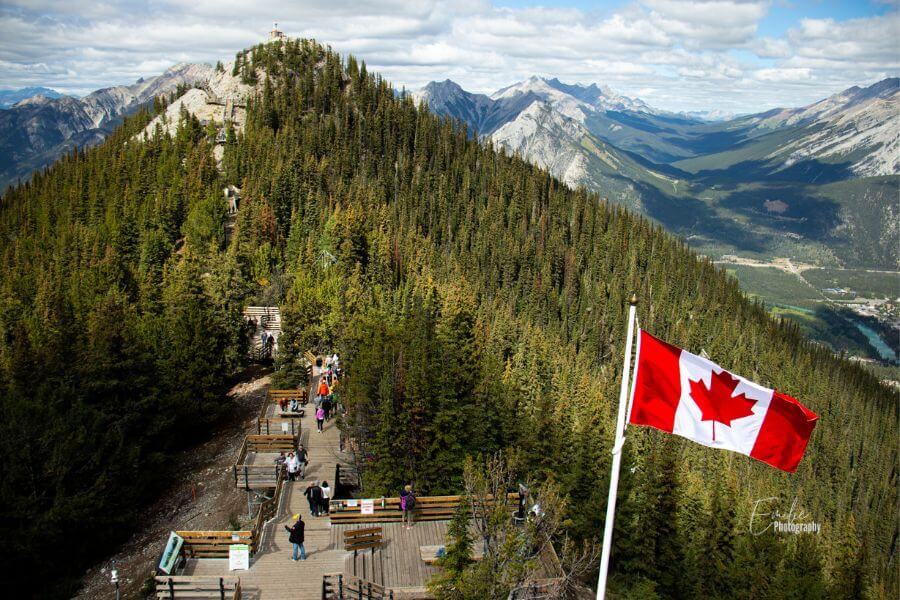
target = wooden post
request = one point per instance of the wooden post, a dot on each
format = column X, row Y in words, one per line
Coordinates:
column 221, row 588
column 246, row 479
column 171, row 589
column 341, row 586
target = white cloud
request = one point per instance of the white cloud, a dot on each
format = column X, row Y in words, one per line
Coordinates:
column 677, row 54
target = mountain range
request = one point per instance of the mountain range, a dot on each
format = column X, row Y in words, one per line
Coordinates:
column 816, row 183
column 10, row 97
column 39, row 129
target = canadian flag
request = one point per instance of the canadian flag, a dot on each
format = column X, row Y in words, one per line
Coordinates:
column 685, row 394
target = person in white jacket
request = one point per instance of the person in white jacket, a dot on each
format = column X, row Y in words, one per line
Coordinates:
column 293, row 466
column 326, row 498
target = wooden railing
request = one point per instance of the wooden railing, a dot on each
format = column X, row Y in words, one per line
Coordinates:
column 272, row 443
column 267, row 510
column 279, row 425
column 212, row 544
column 428, row 508
column 173, row 587
column 338, row 585
column 289, row 394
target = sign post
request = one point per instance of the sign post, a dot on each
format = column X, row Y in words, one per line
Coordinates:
column 238, row 557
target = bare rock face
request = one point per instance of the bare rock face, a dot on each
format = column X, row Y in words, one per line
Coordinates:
column 220, row 96
column 38, row 130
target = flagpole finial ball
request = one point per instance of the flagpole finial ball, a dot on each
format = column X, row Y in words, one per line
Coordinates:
column 633, row 300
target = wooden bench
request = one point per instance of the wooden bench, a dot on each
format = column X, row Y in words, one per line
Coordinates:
column 176, row 587
column 212, row 544
column 428, row 508
column 272, row 443
column 363, row 539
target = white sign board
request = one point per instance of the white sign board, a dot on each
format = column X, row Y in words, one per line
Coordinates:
column 367, row 507
column 238, row 557
column 352, row 503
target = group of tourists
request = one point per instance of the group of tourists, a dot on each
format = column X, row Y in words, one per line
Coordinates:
column 325, row 398
column 319, row 498
column 294, row 463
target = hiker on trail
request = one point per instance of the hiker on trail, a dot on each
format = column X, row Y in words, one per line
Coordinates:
column 282, row 402
column 280, row 460
column 293, row 467
column 320, row 418
column 407, row 505
column 294, row 405
column 326, row 498
column 303, row 459
column 263, row 339
column 314, row 496
column 326, row 406
column 323, row 389
column 297, row 537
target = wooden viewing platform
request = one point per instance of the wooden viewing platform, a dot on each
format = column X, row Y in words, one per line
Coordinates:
column 367, row 557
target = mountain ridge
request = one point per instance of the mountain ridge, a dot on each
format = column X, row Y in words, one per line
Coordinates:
column 35, row 132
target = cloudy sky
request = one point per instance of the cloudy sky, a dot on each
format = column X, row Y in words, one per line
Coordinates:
column 733, row 55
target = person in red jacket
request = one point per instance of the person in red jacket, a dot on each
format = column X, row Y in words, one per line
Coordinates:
column 323, row 388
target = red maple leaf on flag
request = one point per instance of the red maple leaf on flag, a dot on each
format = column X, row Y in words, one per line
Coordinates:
column 717, row 404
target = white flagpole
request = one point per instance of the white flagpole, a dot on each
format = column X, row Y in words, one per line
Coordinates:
column 617, row 455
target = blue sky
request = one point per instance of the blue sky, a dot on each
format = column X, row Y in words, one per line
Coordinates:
column 732, row 55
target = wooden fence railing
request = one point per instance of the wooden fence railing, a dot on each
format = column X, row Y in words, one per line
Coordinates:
column 212, row 544
column 272, row 443
column 279, row 425
column 428, row 508
column 338, row 585
column 301, row 396
column 267, row 510
column 174, row 587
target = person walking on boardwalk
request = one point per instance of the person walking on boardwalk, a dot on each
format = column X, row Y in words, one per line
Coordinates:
column 326, row 498
column 293, row 466
column 323, row 389
column 297, row 536
column 303, row 459
column 313, row 506
column 315, row 499
column 327, row 406
column 407, row 504
column 320, row 418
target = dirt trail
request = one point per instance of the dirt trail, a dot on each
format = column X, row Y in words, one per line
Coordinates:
column 202, row 497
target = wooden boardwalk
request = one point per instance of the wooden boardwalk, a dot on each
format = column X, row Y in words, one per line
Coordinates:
column 398, row 565
column 272, row 574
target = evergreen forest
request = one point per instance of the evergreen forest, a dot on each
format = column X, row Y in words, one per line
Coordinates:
column 478, row 305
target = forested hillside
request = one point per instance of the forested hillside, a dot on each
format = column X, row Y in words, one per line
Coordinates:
column 477, row 303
